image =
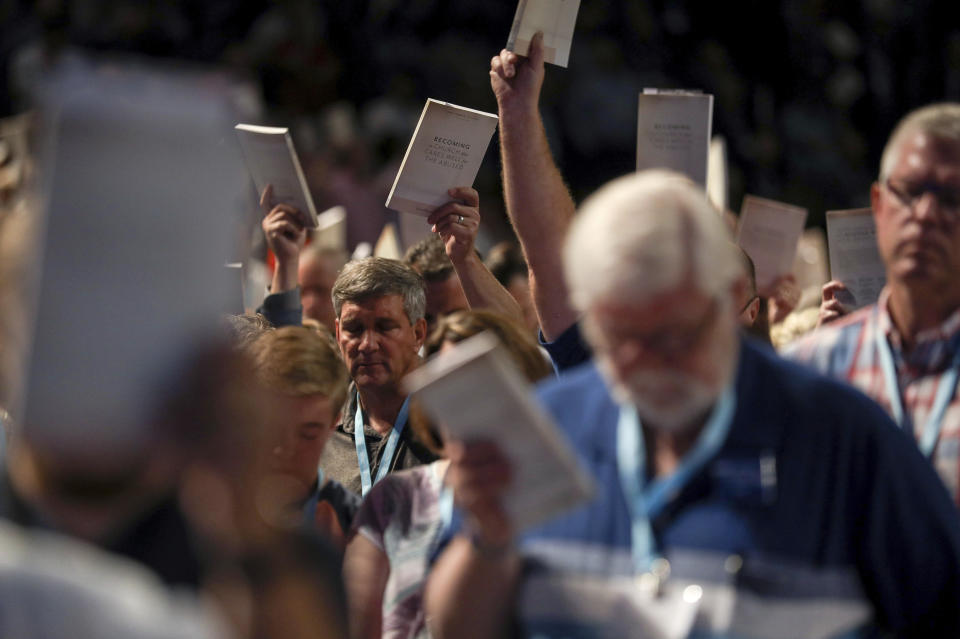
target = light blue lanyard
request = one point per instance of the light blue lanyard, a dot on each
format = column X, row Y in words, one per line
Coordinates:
column 310, row 508
column 388, row 452
column 945, row 391
column 645, row 501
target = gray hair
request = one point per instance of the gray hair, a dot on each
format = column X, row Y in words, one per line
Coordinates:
column 941, row 120
column 644, row 233
column 378, row 277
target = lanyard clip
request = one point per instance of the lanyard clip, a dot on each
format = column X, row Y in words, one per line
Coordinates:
column 653, row 581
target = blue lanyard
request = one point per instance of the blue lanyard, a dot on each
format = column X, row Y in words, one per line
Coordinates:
column 645, row 501
column 945, row 391
column 310, row 508
column 388, row 452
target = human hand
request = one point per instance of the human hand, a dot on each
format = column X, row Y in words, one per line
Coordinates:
column 516, row 81
column 831, row 306
column 783, row 295
column 457, row 223
column 285, row 229
column 479, row 476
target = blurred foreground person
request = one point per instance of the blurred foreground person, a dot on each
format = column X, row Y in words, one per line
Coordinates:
column 904, row 351
column 401, row 522
column 307, row 385
column 739, row 494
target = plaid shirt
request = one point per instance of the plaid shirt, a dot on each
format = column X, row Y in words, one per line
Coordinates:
column 847, row 349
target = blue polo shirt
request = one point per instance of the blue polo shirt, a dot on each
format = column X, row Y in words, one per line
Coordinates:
column 817, row 517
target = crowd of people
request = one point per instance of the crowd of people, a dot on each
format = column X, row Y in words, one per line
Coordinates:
column 285, row 484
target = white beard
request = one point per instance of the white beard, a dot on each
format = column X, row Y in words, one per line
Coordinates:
column 666, row 400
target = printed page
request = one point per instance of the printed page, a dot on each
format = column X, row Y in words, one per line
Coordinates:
column 475, row 392
column 555, row 18
column 271, row 159
column 854, row 257
column 446, row 150
column 769, row 232
column 673, row 132
column 331, row 231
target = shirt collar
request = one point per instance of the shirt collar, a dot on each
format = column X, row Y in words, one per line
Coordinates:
column 933, row 348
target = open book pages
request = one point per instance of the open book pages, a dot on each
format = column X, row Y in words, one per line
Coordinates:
column 769, row 231
column 555, row 18
column 271, row 159
column 854, row 257
column 445, row 151
column 717, row 181
column 673, row 132
column 475, row 392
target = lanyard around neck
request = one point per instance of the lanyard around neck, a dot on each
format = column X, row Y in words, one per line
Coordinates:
column 645, row 500
column 388, row 452
column 945, row 391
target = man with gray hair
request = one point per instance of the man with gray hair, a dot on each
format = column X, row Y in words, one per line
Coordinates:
column 379, row 306
column 904, row 351
column 738, row 494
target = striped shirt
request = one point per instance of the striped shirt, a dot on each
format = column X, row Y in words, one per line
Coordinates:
column 847, row 349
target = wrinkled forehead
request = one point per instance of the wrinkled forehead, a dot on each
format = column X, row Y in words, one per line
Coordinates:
column 373, row 307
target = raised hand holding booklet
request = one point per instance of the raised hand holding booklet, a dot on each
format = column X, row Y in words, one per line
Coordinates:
column 271, row 159
column 474, row 391
column 673, row 132
column 769, row 232
column 445, row 151
column 555, row 18
column 854, row 257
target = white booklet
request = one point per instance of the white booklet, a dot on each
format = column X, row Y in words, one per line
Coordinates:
column 476, row 392
column 769, row 231
column 673, row 131
column 555, row 18
column 271, row 159
column 445, row 151
column 854, row 257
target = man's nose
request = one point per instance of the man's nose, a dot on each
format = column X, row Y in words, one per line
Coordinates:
column 927, row 207
column 368, row 341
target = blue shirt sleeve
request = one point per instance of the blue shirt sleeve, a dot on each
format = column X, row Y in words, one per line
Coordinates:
column 283, row 309
column 568, row 350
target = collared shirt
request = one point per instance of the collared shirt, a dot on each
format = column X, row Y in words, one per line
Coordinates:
column 806, row 523
column 847, row 349
column 339, row 460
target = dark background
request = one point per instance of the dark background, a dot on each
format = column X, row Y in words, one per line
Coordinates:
column 806, row 91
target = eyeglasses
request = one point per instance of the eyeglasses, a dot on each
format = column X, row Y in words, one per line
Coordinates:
column 667, row 345
column 910, row 194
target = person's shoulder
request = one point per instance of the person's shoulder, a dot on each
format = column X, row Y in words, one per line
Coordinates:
column 826, row 342
column 581, row 381
column 580, row 401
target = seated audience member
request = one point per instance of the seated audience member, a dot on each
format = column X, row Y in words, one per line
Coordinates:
column 506, row 263
column 380, row 328
column 904, row 351
column 402, row 518
column 456, row 278
column 307, row 385
column 738, row 495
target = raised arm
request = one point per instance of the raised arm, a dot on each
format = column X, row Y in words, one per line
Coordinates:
column 457, row 223
column 286, row 234
column 538, row 202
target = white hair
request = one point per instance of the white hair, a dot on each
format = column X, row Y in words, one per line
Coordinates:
column 940, row 120
column 643, row 234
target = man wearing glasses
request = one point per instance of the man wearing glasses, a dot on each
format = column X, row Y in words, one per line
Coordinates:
column 904, row 351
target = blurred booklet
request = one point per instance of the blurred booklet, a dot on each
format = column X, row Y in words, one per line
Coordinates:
column 446, row 150
column 388, row 244
column 476, row 392
column 769, row 232
column 854, row 257
column 556, row 18
column 673, row 132
column 271, row 159
column 331, row 231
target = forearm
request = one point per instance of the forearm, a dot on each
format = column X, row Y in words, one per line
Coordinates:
column 365, row 573
column 540, row 208
column 284, row 276
column 483, row 290
column 469, row 596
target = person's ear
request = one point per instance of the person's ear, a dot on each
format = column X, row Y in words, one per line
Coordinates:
column 420, row 331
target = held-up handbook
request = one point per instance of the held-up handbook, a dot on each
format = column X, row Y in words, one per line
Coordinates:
column 673, row 131
column 446, row 150
column 474, row 391
column 271, row 159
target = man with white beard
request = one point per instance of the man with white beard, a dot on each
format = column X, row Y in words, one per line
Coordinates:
column 739, row 495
